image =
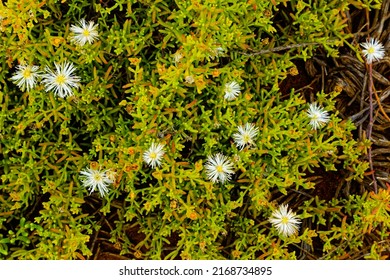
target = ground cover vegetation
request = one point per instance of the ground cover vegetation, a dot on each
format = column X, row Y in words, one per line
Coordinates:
column 194, row 129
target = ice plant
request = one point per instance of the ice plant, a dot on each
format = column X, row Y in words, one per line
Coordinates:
column 317, row 115
column 373, row 50
column 92, row 179
column 245, row 135
column 61, row 80
column 219, row 168
column 232, row 90
column 84, row 32
column 154, row 155
column 285, row 221
column 26, row 76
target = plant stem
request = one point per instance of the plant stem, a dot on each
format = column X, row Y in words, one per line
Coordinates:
column 370, row 124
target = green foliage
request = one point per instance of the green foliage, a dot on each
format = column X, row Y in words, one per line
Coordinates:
column 352, row 223
column 157, row 74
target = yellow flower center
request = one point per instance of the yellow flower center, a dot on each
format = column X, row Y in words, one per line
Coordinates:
column 27, row 73
column 86, row 33
column 219, row 168
column 246, row 138
column 284, row 220
column 97, row 177
column 153, row 155
column 316, row 116
column 61, row 79
column 371, row 50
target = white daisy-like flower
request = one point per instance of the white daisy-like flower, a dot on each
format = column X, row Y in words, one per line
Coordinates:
column 219, row 168
column 26, row 76
column 232, row 90
column 61, row 80
column 84, row 32
column 92, row 179
column 245, row 135
column 318, row 116
column 154, row 155
column 285, row 221
column 373, row 50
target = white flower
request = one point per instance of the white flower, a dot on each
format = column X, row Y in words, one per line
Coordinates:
column 373, row 50
column 25, row 76
column 245, row 135
column 232, row 90
column 219, row 168
column 85, row 32
column 154, row 155
column 285, row 221
column 93, row 179
column 318, row 116
column 62, row 80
